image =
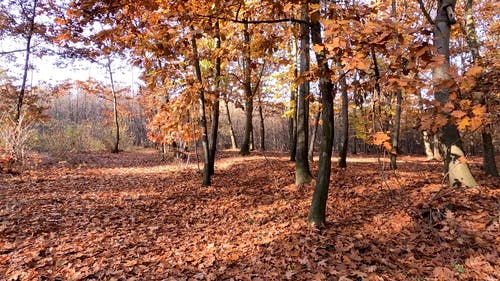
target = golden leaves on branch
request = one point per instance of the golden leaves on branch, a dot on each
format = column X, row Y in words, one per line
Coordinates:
column 383, row 140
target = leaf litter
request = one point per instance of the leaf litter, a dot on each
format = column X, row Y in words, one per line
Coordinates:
column 133, row 217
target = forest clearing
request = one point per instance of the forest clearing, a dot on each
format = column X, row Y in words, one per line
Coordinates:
column 132, row 216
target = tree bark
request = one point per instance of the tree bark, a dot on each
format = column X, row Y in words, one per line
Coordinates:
column 245, row 146
column 396, row 129
column 234, row 144
column 310, row 154
column 292, row 122
column 262, row 128
column 489, row 164
column 427, row 146
column 344, row 135
column 317, row 212
column 203, row 118
column 457, row 170
column 302, row 172
column 399, row 97
column 216, row 110
column 115, row 109
column 20, row 97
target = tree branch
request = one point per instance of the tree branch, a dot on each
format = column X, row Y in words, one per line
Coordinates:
column 12, row 51
column 17, row 51
column 425, row 12
column 236, row 20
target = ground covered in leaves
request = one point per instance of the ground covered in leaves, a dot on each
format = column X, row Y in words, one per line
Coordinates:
column 132, row 216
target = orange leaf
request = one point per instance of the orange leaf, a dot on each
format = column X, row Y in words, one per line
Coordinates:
column 379, row 138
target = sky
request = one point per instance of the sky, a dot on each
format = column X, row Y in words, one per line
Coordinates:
column 46, row 71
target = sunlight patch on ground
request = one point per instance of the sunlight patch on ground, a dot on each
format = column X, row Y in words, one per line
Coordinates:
column 145, row 170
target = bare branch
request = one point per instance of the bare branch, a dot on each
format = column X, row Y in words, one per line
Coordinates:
column 426, row 13
column 236, row 20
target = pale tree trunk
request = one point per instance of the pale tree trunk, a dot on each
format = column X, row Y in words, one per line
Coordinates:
column 426, row 137
column 252, row 141
column 427, row 146
column 245, row 146
column 489, row 163
column 234, row 144
column 317, row 212
column 203, row 117
column 216, row 110
column 310, row 154
column 302, row 172
column 20, row 97
column 115, row 109
column 436, row 148
column 457, row 170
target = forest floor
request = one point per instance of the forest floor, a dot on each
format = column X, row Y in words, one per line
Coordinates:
column 132, row 216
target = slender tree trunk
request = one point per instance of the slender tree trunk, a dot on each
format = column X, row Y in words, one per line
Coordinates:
column 427, row 146
column 252, row 141
column 234, row 144
column 377, row 108
column 302, row 172
column 115, row 109
column 216, row 111
column 317, row 212
column 399, row 97
column 245, row 146
column 292, row 125
column 457, row 170
column 344, row 135
column 203, row 118
column 20, row 97
column 310, row 154
column 262, row 128
column 396, row 129
column 354, row 137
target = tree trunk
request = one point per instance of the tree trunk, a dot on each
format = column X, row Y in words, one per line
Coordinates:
column 203, row 117
column 399, row 97
column 436, row 148
column 292, row 122
column 344, row 135
column 427, row 146
column 252, row 141
column 302, row 172
column 245, row 146
column 489, row 164
column 457, row 170
column 20, row 97
column 216, row 111
column 395, row 134
column 354, row 137
column 310, row 154
column 262, row 128
column 115, row 109
column 317, row 212
column 234, row 144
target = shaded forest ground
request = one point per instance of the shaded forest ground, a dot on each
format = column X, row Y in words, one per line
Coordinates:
column 132, row 216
